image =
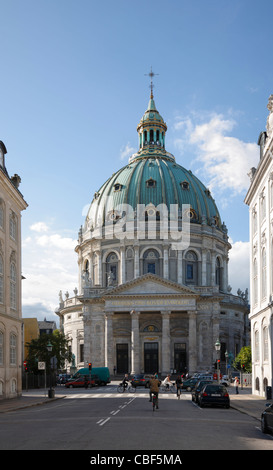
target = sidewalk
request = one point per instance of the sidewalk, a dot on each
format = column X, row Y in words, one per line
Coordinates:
column 245, row 401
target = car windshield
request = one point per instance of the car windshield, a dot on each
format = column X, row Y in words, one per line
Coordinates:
column 138, row 376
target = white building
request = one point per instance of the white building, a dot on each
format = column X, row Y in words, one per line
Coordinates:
column 11, row 205
column 259, row 198
column 145, row 302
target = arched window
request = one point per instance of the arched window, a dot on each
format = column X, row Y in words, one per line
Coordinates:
column 13, row 285
column 12, row 226
column 263, row 273
column 13, row 349
column 256, row 346
column 151, row 262
column 1, row 348
column 191, row 268
column 218, row 273
column 255, row 281
column 111, row 269
column 265, row 343
column 1, row 280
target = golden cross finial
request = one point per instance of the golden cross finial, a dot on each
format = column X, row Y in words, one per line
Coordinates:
column 151, row 74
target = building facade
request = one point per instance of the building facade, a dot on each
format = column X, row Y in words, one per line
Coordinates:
column 12, row 204
column 153, row 292
column 259, row 198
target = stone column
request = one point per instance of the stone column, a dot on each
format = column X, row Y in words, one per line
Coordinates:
column 192, row 342
column 135, row 359
column 122, row 265
column 166, row 262
column 166, row 343
column 179, row 267
column 204, row 268
column 109, row 359
column 136, row 263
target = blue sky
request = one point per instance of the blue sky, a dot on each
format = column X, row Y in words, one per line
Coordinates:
column 73, row 89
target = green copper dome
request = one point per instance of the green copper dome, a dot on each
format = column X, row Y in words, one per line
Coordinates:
column 152, row 177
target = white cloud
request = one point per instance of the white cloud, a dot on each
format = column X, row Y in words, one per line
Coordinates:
column 239, row 257
column 126, row 151
column 225, row 161
column 39, row 227
column 49, row 265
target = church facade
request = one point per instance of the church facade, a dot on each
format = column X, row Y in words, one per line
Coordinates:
column 153, row 292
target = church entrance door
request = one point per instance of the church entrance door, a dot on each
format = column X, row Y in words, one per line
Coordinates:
column 150, row 358
column 180, row 358
column 122, row 359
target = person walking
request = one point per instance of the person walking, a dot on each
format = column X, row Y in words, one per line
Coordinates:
column 236, row 385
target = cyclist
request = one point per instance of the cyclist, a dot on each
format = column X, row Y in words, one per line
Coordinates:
column 125, row 381
column 154, row 388
column 167, row 382
column 178, row 385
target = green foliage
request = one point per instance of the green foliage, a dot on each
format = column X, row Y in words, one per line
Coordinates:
column 243, row 360
column 38, row 351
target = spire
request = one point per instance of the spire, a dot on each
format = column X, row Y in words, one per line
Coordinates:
column 151, row 75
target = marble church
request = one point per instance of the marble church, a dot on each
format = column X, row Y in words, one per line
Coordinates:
column 153, row 293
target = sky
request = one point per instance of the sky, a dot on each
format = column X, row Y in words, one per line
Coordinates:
column 74, row 86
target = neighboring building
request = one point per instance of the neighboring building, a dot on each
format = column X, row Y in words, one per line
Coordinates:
column 259, row 198
column 148, row 303
column 46, row 327
column 12, row 204
column 31, row 331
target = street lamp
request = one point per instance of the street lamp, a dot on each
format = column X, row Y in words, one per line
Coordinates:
column 226, row 356
column 51, row 392
column 217, row 348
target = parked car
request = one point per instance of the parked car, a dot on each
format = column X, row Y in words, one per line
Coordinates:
column 62, row 379
column 189, row 384
column 214, row 394
column 197, row 389
column 225, row 381
column 141, row 380
column 79, row 382
column 267, row 418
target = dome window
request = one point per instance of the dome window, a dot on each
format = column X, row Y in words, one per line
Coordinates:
column 117, row 187
column 151, row 183
column 185, row 185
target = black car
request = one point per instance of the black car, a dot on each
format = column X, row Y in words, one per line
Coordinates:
column 214, row 394
column 189, row 384
column 197, row 389
column 267, row 418
column 141, row 380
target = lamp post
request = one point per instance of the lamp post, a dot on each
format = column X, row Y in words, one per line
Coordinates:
column 217, row 348
column 226, row 356
column 51, row 392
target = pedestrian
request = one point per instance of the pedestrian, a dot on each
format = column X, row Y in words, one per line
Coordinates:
column 236, row 385
column 178, row 385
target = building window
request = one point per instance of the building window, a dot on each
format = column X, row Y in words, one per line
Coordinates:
column 13, row 349
column 255, row 281
column 265, row 341
column 1, row 280
column 256, row 346
column 1, row 348
column 150, row 183
column 13, row 285
column 191, row 268
column 112, row 269
column 263, row 273
column 12, row 226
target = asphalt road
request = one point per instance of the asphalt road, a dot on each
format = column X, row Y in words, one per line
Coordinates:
column 100, row 419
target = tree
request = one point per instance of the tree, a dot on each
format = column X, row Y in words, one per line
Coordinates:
column 243, row 361
column 37, row 351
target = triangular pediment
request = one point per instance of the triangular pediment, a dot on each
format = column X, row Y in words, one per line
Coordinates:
column 150, row 284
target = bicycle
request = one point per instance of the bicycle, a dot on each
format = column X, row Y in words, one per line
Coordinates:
column 167, row 388
column 129, row 388
column 154, row 400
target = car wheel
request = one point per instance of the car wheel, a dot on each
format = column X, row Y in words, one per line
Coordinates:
column 71, row 386
column 264, row 427
column 188, row 389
